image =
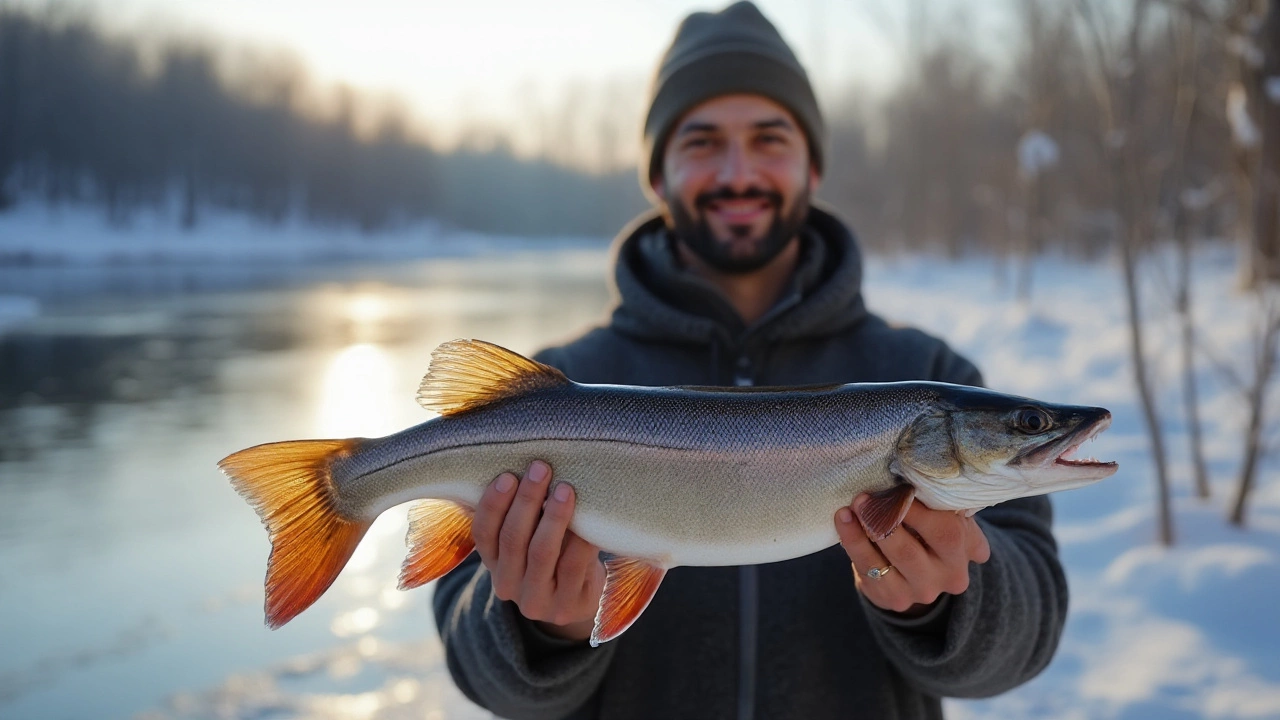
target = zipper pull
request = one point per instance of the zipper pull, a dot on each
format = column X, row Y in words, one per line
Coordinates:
column 742, row 375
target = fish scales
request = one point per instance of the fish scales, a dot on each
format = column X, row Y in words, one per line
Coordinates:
column 663, row 476
column 694, row 477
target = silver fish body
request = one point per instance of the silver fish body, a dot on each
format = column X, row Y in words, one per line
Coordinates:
column 663, row 476
column 678, row 476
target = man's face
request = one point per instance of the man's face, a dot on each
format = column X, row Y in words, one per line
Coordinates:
column 736, row 180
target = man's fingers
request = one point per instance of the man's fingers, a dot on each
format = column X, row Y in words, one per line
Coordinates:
column 905, row 552
column 517, row 529
column 577, row 597
column 575, row 563
column 861, row 551
column 593, row 584
column 934, row 555
column 490, row 514
column 548, row 539
column 890, row 591
column 979, row 546
column 952, row 537
column 941, row 532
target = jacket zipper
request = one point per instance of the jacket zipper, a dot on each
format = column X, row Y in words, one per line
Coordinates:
column 748, row 599
column 742, row 372
column 748, row 627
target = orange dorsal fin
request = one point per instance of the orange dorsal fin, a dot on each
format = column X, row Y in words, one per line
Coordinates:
column 289, row 485
column 884, row 510
column 439, row 538
column 467, row 374
column 628, row 587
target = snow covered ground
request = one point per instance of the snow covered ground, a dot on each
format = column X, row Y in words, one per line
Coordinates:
column 1183, row 632
column 1189, row 631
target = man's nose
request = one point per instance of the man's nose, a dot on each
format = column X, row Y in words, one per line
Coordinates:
column 738, row 170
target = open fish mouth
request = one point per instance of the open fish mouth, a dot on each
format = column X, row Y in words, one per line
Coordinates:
column 1058, row 453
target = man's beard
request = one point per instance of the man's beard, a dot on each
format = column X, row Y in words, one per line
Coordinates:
column 696, row 234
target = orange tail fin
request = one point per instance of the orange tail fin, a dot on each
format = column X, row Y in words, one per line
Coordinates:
column 288, row 484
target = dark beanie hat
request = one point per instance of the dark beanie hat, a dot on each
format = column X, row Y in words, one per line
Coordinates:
column 736, row 50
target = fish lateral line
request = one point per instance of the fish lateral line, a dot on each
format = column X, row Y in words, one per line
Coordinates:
column 519, row 441
column 975, row 448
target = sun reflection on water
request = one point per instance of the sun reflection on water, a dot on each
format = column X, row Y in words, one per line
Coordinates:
column 356, row 394
column 368, row 309
column 355, row 622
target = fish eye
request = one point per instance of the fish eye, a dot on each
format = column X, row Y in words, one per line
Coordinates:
column 1032, row 420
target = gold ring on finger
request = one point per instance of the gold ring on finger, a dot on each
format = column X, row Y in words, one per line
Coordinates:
column 876, row 573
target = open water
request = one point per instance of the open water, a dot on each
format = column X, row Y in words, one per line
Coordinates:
column 131, row 572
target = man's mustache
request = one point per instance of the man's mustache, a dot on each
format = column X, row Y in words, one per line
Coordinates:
column 721, row 194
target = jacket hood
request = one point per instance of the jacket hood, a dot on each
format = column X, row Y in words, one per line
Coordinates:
column 833, row 303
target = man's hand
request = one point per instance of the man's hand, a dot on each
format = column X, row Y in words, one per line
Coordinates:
column 552, row 575
column 930, row 554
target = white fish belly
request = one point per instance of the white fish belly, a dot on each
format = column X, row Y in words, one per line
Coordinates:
column 672, row 506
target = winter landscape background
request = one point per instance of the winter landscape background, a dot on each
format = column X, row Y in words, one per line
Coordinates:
column 206, row 245
column 140, row 591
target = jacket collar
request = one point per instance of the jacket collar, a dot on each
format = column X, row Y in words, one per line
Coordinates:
column 656, row 299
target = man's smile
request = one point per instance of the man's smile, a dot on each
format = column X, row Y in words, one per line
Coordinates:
column 739, row 212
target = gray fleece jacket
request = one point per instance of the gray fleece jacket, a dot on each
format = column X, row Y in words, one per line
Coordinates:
column 791, row 639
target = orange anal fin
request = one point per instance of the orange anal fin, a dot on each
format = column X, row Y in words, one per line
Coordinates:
column 628, row 587
column 439, row 538
column 884, row 510
column 289, row 485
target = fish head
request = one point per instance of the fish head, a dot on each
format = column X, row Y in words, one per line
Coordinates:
column 979, row 448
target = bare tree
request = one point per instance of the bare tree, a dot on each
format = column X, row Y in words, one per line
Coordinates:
column 1118, row 75
column 1256, row 42
column 1261, row 75
column 1267, row 338
column 1040, row 85
column 1187, row 209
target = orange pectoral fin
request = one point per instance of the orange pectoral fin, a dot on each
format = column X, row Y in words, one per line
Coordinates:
column 629, row 585
column 884, row 510
column 439, row 538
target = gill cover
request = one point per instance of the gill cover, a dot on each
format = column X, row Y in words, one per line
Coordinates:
column 926, row 450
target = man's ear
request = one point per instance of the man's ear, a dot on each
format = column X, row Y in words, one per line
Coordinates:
column 815, row 178
column 659, row 187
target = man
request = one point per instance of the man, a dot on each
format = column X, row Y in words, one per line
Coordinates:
column 738, row 280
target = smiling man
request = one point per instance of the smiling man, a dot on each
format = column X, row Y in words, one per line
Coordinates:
column 737, row 279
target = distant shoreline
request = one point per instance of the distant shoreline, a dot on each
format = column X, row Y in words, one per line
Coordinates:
column 37, row 235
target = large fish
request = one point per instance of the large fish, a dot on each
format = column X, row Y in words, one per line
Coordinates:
column 663, row 476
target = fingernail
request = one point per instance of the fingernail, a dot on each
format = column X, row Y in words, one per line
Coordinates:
column 538, row 471
column 505, row 483
column 859, row 501
column 562, row 493
column 845, row 516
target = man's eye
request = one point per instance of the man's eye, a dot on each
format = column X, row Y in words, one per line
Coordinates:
column 772, row 139
column 696, row 143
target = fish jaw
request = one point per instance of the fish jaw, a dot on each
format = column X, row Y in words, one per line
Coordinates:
column 974, row 452
column 1051, row 466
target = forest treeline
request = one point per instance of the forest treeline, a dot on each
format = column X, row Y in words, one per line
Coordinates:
column 966, row 153
column 87, row 118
